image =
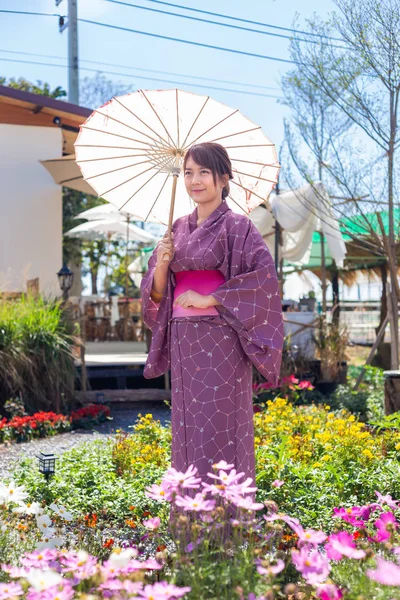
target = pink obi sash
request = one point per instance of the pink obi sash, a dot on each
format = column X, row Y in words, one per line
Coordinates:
column 203, row 282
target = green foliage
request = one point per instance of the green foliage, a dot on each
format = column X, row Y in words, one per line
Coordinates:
column 36, row 360
column 41, row 88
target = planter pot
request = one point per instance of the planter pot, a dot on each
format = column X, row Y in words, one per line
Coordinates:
column 392, row 391
column 326, row 387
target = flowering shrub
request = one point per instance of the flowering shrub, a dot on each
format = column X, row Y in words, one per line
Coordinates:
column 324, row 458
column 148, row 447
column 89, row 415
column 290, row 387
column 41, row 424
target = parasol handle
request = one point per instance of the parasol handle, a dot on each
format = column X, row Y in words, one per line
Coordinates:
column 175, row 175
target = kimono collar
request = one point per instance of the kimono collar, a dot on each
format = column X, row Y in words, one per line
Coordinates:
column 214, row 216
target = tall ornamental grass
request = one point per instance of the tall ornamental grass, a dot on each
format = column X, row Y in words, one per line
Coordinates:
column 36, row 359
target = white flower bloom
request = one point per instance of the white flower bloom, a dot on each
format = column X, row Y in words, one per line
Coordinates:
column 120, row 558
column 50, row 542
column 44, row 523
column 41, row 580
column 61, row 511
column 12, row 493
column 29, row 508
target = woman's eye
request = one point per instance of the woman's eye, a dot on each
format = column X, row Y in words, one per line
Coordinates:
column 204, row 171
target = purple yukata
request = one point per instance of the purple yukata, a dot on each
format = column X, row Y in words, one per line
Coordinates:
column 211, row 356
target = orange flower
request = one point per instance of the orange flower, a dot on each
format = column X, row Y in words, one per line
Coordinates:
column 131, row 523
column 108, row 543
column 146, row 514
column 91, row 520
column 132, row 508
column 161, row 547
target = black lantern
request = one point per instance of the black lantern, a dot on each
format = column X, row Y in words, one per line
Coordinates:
column 65, row 279
column 47, row 464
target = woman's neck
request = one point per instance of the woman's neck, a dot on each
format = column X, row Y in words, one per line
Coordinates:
column 205, row 210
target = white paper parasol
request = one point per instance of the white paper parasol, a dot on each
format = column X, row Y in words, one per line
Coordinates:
column 131, row 150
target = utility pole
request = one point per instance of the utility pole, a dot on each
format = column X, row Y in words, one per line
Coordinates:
column 73, row 71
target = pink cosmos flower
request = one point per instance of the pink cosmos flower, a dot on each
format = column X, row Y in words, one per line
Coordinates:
column 310, row 536
column 223, row 466
column 60, row 592
column 152, row 524
column 306, row 385
column 174, row 480
column 162, row 591
column 271, row 569
column 356, row 515
column 289, row 380
column 387, row 573
column 342, row 544
column 15, row 572
column 43, row 559
column 80, row 563
column 329, row 591
column 9, row 590
column 277, row 483
column 162, row 493
column 311, row 564
column 385, row 525
column 198, row 503
column 247, row 503
column 291, row 521
column 387, row 500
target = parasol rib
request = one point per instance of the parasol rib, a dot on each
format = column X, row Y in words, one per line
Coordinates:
column 158, row 195
column 115, row 170
column 254, row 176
column 103, row 131
column 157, row 141
column 251, row 162
column 238, row 133
column 111, row 158
column 141, row 120
column 247, row 189
column 141, row 187
column 177, row 116
column 212, row 127
column 250, row 146
column 158, row 117
column 127, row 181
column 237, row 204
column 195, row 121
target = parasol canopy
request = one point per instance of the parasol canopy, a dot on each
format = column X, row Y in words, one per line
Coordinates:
column 111, row 230
column 131, row 151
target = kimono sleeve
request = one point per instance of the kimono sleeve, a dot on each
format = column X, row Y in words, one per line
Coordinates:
column 157, row 318
column 250, row 301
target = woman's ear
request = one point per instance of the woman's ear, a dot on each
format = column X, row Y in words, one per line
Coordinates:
column 224, row 179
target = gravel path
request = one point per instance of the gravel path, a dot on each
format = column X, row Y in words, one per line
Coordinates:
column 122, row 419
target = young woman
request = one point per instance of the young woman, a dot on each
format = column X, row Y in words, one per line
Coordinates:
column 211, row 300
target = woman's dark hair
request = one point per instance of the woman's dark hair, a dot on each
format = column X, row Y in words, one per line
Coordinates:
column 213, row 157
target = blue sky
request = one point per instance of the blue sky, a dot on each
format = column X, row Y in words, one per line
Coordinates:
column 40, row 35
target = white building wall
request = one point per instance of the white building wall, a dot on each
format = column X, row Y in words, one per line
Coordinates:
column 30, row 208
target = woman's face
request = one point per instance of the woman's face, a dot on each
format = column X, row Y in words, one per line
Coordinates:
column 200, row 184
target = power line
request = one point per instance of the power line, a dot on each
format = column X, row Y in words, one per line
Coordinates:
column 213, row 14
column 190, row 42
column 235, row 91
column 24, row 12
column 96, row 62
column 208, row 21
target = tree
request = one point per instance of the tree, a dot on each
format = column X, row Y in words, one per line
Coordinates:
column 360, row 75
column 95, row 91
column 41, row 88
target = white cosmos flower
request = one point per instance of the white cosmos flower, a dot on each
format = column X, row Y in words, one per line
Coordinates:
column 41, row 580
column 122, row 557
column 61, row 511
column 50, row 542
column 44, row 523
column 30, row 508
column 12, row 493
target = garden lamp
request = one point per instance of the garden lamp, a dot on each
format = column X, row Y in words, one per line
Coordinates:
column 65, row 279
column 47, row 464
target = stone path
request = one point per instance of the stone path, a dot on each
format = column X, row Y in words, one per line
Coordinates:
column 122, row 419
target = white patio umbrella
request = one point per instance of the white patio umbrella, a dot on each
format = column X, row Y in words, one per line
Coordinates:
column 109, row 211
column 131, row 151
column 111, row 230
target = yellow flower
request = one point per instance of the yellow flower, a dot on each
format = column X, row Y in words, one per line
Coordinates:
column 367, row 453
column 397, row 446
column 326, row 458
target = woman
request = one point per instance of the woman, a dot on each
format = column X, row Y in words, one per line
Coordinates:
column 211, row 299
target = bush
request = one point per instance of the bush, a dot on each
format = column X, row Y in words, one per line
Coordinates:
column 36, row 360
